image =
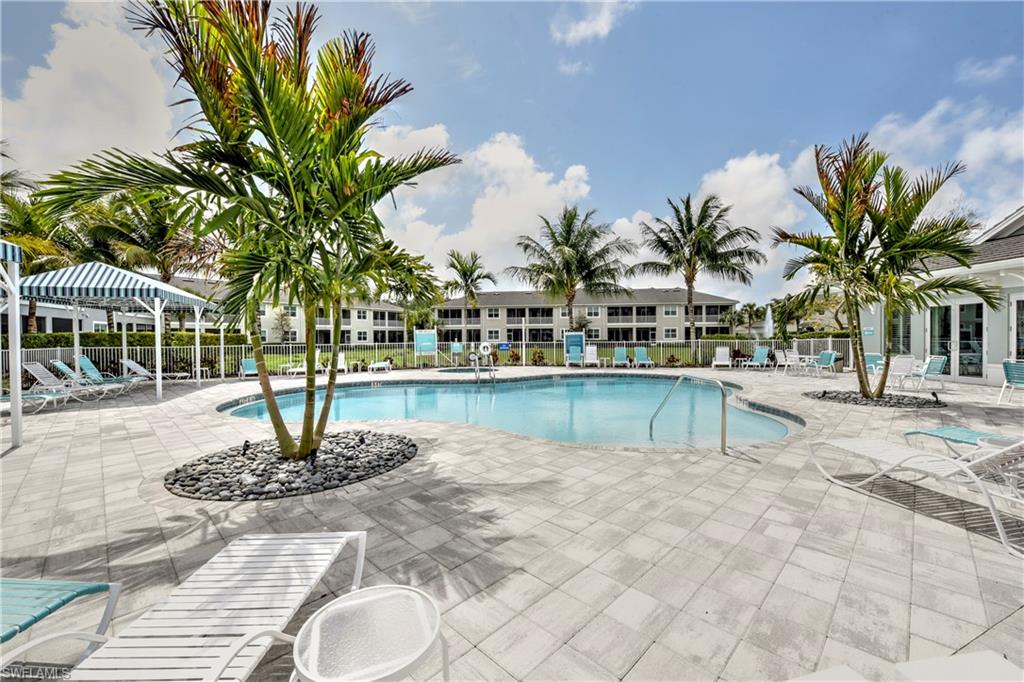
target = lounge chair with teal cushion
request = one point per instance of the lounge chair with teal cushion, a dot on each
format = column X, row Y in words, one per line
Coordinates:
column 874, row 362
column 247, row 368
column 641, row 358
column 620, row 357
column 23, row 603
column 574, row 356
column 1013, row 377
column 94, row 376
column 826, row 360
column 38, row 401
column 76, row 379
column 931, row 370
column 759, row 359
column 46, row 382
column 957, row 434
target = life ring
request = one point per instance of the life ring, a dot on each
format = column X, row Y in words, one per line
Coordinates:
column 485, row 348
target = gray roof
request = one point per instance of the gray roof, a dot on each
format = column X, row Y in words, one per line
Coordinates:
column 994, row 250
column 640, row 297
column 214, row 289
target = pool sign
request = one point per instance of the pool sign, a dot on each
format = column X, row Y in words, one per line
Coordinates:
column 425, row 341
column 869, row 331
column 505, row 346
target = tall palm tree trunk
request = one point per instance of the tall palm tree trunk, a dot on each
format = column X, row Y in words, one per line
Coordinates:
column 111, row 327
column 309, row 402
column 857, row 346
column 285, row 441
column 690, row 311
column 31, row 326
column 879, row 390
column 332, row 376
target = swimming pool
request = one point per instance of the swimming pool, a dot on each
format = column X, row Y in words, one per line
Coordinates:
column 593, row 409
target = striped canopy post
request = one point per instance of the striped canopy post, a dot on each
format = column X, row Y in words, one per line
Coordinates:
column 102, row 285
column 10, row 282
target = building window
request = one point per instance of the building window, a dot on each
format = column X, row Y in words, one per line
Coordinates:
column 361, row 315
column 493, row 313
column 593, row 311
column 670, row 333
column 292, row 310
column 515, row 335
column 262, row 311
column 563, row 312
column 901, row 333
column 362, row 336
column 99, row 326
column 671, row 311
column 263, row 336
column 494, row 335
column 593, row 334
column 291, row 336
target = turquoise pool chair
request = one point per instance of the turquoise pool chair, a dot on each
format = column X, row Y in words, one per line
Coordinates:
column 73, row 378
column 931, row 370
column 620, row 357
column 23, row 603
column 759, row 359
column 574, row 356
column 1013, row 377
column 826, row 360
column 961, row 436
column 95, row 376
column 247, row 368
column 456, row 350
column 641, row 357
column 874, row 362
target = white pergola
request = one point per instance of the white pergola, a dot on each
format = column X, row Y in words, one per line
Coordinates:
column 104, row 286
column 9, row 283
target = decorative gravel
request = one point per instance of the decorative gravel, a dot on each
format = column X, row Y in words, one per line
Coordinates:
column 256, row 471
column 887, row 400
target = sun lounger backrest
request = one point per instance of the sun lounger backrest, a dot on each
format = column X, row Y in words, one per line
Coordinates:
column 722, row 354
column 1013, row 371
column 89, row 369
column 826, row 358
column 641, row 354
column 590, row 353
column 136, row 368
column 620, row 354
column 42, row 375
column 71, row 374
column 936, row 363
column 249, row 366
column 760, row 355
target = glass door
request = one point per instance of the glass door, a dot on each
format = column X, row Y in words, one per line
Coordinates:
column 1018, row 329
column 970, row 340
column 940, row 334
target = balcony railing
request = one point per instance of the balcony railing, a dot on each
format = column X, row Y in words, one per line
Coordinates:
column 712, row 318
column 647, row 318
column 323, row 322
column 513, row 320
column 620, row 319
column 396, row 324
column 541, row 320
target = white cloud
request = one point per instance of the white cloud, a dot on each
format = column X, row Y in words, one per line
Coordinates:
column 503, row 184
column 598, row 20
column 981, row 72
column 572, row 68
column 98, row 88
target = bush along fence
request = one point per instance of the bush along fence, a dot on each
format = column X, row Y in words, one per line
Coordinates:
column 217, row 363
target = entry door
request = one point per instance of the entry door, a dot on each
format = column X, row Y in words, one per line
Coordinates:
column 957, row 331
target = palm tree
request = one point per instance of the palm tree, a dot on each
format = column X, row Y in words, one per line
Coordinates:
column 279, row 160
column 733, row 318
column 469, row 277
column 702, row 242
column 12, row 180
column 879, row 240
column 574, row 254
column 751, row 313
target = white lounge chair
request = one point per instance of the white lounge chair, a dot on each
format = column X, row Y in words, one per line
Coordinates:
column 73, row 378
column 220, row 622
column 888, row 457
column 300, row 368
column 135, row 369
column 342, row 367
column 723, row 357
column 590, row 357
column 46, row 382
column 785, row 359
column 1013, row 378
column 380, row 366
column 931, row 370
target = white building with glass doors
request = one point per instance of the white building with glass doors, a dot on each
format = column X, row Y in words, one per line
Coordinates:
column 975, row 338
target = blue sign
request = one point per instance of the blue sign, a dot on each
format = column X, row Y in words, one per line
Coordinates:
column 573, row 341
column 869, row 331
column 425, row 341
column 504, row 346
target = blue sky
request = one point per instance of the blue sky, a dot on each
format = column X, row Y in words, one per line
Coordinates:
column 614, row 106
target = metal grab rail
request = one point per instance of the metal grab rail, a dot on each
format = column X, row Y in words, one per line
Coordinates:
column 716, row 382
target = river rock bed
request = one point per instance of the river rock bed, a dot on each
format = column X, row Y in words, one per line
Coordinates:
column 887, row 400
column 256, row 471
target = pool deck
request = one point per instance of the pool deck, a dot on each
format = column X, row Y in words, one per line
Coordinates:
column 554, row 561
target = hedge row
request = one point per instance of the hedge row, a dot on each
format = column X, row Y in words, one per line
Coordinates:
column 833, row 334
column 113, row 339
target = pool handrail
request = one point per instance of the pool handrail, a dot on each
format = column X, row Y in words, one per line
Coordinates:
column 716, row 382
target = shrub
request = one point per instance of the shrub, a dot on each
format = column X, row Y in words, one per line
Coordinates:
column 494, row 357
column 113, row 339
column 536, row 357
column 513, row 357
column 833, row 334
column 672, row 361
column 726, row 337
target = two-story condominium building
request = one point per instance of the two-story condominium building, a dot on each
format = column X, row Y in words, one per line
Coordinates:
column 648, row 315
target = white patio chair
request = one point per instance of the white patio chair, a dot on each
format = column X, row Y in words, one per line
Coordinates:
column 46, row 382
column 785, row 359
column 135, row 369
column 723, row 357
column 300, row 368
column 988, row 462
column 220, row 622
column 590, row 357
column 380, row 366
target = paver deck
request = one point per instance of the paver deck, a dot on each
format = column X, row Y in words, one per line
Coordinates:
column 552, row 561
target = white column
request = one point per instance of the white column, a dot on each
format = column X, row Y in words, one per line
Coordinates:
column 158, row 310
column 124, row 340
column 14, row 341
column 222, row 352
column 198, row 311
column 75, row 313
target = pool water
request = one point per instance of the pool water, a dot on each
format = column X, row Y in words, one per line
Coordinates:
column 598, row 410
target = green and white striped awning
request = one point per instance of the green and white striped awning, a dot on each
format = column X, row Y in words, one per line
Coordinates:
column 104, row 285
column 9, row 252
